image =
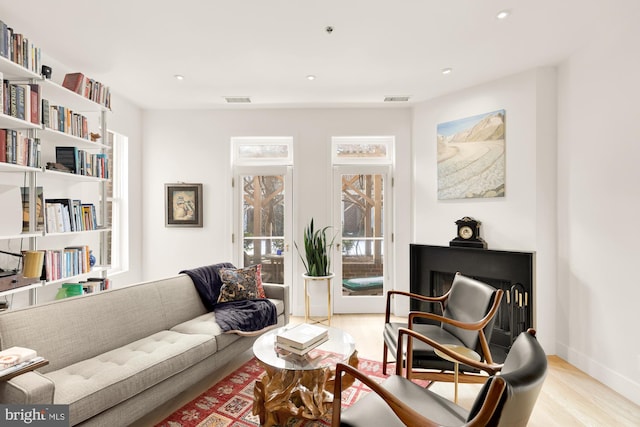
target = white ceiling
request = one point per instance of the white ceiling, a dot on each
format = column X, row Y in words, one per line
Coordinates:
column 264, row 49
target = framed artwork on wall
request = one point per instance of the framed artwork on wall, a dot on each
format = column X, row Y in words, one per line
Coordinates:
column 183, row 205
column 471, row 157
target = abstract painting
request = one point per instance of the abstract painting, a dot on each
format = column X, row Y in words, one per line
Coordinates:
column 471, row 157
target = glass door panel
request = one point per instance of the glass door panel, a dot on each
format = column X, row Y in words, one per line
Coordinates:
column 361, row 266
column 263, row 224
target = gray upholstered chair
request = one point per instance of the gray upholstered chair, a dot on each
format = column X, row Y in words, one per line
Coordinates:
column 469, row 309
column 506, row 399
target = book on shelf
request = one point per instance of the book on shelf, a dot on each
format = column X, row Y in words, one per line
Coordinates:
column 45, row 113
column 35, row 103
column 69, row 157
column 302, row 336
column 88, row 88
column 15, row 355
column 3, row 145
column 75, row 82
column 302, row 351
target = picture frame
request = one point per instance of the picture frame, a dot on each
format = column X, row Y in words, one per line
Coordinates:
column 183, row 205
column 471, row 159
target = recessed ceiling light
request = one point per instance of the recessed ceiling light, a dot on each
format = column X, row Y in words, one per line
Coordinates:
column 179, row 77
column 311, row 77
column 447, row 70
column 503, row 14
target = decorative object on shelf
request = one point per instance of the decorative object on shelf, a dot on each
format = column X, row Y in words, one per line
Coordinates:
column 471, row 157
column 94, row 136
column 31, row 264
column 58, row 167
column 92, row 259
column 26, row 210
column 316, row 258
column 46, row 72
column 468, row 234
column 183, row 205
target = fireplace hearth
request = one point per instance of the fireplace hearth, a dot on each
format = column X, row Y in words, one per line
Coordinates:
column 433, row 268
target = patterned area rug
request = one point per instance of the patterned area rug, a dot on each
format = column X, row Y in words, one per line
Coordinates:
column 230, row 401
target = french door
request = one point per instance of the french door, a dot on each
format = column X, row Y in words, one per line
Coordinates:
column 263, row 221
column 362, row 221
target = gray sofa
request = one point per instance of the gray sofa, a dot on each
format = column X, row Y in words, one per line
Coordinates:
column 116, row 355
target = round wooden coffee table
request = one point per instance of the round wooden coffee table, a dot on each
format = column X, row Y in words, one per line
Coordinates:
column 299, row 386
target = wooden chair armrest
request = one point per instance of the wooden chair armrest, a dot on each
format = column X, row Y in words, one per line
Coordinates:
column 473, row 326
column 406, row 414
column 490, row 368
column 440, row 299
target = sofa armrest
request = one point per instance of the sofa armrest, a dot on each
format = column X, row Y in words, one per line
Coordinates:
column 28, row 388
column 280, row 292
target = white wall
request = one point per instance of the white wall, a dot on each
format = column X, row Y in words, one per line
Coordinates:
column 523, row 220
column 194, row 146
column 598, row 175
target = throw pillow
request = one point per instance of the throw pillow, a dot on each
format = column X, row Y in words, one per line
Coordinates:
column 261, row 293
column 238, row 284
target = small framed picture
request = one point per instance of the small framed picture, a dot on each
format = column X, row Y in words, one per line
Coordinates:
column 183, row 205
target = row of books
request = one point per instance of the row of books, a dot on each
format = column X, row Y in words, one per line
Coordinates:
column 67, row 262
column 63, row 119
column 82, row 162
column 21, row 101
column 302, row 338
column 67, row 215
column 19, row 149
column 18, row 48
column 89, row 88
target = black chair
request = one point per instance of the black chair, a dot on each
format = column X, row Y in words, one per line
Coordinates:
column 469, row 309
column 506, row 399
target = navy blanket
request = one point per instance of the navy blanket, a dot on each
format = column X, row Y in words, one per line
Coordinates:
column 246, row 315
column 208, row 283
column 236, row 316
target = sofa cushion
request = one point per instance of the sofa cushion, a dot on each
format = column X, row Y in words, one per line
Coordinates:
column 96, row 384
column 207, row 325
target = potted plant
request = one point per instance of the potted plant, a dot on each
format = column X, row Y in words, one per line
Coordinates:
column 317, row 247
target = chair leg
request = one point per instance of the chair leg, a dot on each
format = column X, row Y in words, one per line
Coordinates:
column 384, row 359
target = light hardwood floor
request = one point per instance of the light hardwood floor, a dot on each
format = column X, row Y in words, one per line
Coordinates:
column 569, row 397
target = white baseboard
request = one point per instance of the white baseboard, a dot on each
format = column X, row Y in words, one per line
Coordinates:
column 612, row 379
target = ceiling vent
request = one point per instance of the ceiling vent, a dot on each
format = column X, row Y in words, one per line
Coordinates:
column 396, row 98
column 238, row 99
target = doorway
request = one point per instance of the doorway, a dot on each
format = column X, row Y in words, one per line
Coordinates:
column 362, row 193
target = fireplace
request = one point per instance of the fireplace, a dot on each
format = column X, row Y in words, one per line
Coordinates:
column 433, row 268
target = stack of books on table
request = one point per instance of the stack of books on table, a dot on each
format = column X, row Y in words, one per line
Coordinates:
column 14, row 359
column 301, row 338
